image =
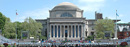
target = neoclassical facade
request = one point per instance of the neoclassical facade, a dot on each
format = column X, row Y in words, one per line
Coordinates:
column 66, row 21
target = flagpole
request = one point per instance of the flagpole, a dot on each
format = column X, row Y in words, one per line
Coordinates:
column 116, row 30
column 116, row 27
column 16, row 25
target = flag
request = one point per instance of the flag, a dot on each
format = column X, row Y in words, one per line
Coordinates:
column 16, row 13
column 117, row 14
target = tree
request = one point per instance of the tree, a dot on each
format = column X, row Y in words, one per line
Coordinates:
column 104, row 25
column 2, row 21
column 9, row 29
column 32, row 26
column 18, row 27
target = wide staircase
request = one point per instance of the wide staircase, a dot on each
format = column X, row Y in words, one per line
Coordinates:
column 5, row 40
column 124, row 40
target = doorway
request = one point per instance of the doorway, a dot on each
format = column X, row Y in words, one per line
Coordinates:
column 66, row 32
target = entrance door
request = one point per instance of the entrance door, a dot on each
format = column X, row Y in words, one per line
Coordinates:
column 66, row 33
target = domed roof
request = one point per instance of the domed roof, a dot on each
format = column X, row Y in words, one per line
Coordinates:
column 66, row 6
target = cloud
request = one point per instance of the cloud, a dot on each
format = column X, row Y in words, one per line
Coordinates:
column 86, row 5
column 35, row 14
column 91, row 5
column 121, row 15
column 118, row 17
column 91, row 1
column 111, row 17
column 114, row 16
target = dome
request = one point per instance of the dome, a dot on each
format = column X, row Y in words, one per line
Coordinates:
column 66, row 6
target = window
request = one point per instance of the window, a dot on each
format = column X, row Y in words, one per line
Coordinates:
column 66, row 15
column 92, row 28
column 86, row 33
column 92, row 33
column 92, row 23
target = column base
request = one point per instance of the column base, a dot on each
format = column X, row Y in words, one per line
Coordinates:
column 115, row 38
column 83, row 38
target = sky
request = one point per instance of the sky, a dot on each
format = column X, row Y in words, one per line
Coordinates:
column 39, row 9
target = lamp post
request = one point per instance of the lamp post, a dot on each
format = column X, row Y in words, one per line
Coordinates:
column 18, row 42
column 104, row 31
column 41, row 42
column 0, row 31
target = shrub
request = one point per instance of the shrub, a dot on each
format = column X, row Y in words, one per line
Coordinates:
column 90, row 37
column 1, row 45
column 9, row 45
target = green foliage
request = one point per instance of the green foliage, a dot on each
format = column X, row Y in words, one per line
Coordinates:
column 43, row 37
column 9, row 46
column 18, row 27
column 14, row 46
column 9, row 29
column 90, row 37
column 24, row 37
column 2, row 21
column 104, row 25
column 99, row 41
column 122, row 46
column 63, row 41
column 1, row 45
column 32, row 26
column 33, row 41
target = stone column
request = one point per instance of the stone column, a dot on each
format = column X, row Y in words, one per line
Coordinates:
column 54, row 31
column 68, row 31
column 57, row 31
column 50, row 30
column 64, row 31
column 82, row 31
column 60, row 31
column 78, row 31
column 75, row 31
column 71, row 31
